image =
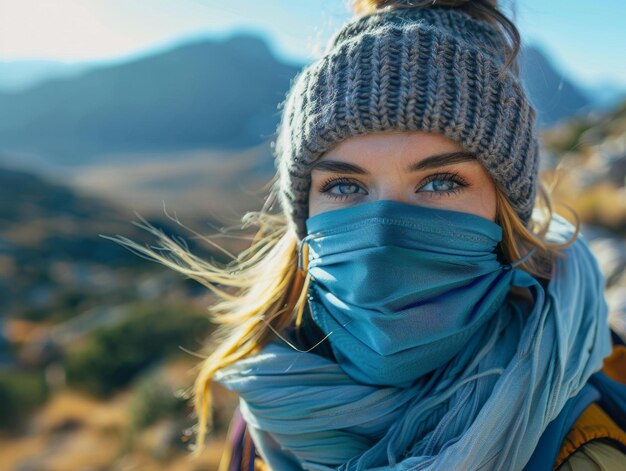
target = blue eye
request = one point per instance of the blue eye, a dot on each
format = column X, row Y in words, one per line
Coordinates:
column 440, row 185
column 436, row 185
column 443, row 184
column 346, row 187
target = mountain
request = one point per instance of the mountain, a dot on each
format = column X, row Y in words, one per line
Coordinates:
column 209, row 94
column 52, row 255
column 554, row 96
column 18, row 75
column 50, row 221
column 606, row 94
column 218, row 94
column 49, row 234
column 195, row 183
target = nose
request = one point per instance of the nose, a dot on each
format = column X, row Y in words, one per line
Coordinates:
column 393, row 192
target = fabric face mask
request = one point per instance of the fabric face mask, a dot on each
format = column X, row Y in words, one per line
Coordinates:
column 401, row 288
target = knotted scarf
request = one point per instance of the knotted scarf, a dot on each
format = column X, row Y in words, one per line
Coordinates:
column 483, row 409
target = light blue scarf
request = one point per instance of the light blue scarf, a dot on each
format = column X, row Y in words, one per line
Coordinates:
column 484, row 409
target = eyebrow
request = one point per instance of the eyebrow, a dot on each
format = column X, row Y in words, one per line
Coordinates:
column 434, row 161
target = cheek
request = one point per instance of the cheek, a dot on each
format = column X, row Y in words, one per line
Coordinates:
column 319, row 202
column 314, row 201
column 482, row 201
column 479, row 198
column 488, row 203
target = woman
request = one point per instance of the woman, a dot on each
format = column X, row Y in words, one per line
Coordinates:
column 415, row 305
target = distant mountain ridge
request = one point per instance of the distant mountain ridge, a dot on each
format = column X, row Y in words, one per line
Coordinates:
column 554, row 96
column 218, row 94
column 208, row 94
column 18, row 75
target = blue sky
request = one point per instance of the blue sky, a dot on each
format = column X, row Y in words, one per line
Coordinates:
column 586, row 39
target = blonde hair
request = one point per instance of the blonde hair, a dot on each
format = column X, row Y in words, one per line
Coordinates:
column 264, row 291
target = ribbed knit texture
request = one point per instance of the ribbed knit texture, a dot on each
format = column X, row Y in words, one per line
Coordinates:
column 432, row 69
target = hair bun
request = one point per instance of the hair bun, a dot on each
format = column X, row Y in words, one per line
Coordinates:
column 368, row 6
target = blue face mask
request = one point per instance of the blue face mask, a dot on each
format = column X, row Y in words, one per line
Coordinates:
column 401, row 288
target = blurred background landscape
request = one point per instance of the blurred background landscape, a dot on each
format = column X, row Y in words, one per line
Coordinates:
column 110, row 110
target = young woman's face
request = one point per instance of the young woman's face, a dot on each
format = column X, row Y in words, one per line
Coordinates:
column 412, row 167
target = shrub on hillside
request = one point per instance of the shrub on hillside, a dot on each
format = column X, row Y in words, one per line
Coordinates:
column 113, row 356
column 20, row 393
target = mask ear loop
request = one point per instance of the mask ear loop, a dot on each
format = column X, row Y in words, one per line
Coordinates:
column 303, row 254
column 510, row 266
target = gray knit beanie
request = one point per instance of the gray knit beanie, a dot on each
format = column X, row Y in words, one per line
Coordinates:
column 434, row 69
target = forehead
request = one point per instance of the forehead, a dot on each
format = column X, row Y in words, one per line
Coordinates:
column 398, row 144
